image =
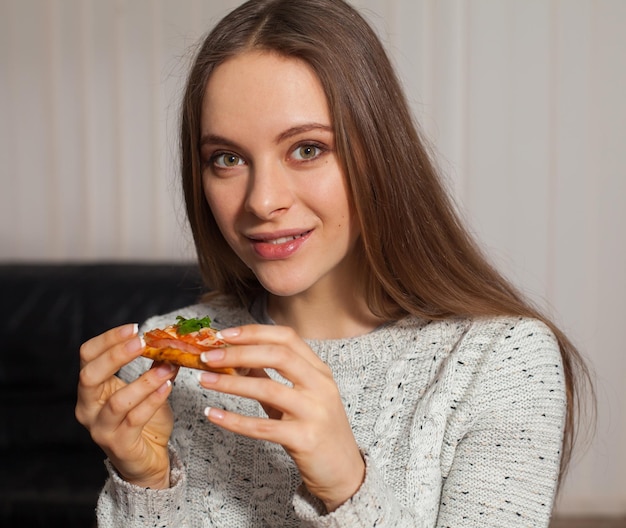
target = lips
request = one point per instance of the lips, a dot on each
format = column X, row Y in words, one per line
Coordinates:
column 275, row 246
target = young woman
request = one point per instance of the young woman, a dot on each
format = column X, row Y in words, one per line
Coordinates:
column 392, row 376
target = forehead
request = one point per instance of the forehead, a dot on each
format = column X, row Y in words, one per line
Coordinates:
column 263, row 87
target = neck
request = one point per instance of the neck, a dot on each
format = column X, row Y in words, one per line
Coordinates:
column 319, row 316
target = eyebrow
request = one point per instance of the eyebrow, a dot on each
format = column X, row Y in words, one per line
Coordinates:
column 294, row 131
column 214, row 139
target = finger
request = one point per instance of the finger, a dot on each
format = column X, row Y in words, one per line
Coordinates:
column 175, row 368
column 97, row 381
column 137, row 402
column 99, row 344
column 272, row 334
column 138, row 418
column 119, row 437
column 90, row 400
column 275, row 431
column 262, row 389
column 107, row 363
column 289, row 364
column 269, row 409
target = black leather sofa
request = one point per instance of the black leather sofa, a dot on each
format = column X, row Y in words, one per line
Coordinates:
column 50, row 470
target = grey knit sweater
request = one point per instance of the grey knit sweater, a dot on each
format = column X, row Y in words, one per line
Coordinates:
column 460, row 423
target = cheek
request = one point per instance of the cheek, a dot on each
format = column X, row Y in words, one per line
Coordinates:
column 340, row 203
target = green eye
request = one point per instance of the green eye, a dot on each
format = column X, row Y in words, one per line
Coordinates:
column 227, row 160
column 306, row 152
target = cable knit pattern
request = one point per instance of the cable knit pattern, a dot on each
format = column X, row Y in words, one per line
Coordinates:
column 460, row 423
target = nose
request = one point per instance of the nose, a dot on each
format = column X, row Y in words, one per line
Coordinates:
column 269, row 190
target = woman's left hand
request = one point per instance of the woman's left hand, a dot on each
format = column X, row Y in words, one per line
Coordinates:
column 308, row 419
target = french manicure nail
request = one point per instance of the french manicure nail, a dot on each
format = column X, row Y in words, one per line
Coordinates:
column 164, row 387
column 212, row 355
column 165, row 369
column 208, row 377
column 128, row 330
column 228, row 332
column 212, row 413
column 134, row 345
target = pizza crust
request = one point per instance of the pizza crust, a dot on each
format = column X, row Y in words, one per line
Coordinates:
column 182, row 359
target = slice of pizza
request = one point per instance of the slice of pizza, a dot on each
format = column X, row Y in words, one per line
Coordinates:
column 182, row 343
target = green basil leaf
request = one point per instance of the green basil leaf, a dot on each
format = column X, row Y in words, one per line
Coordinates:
column 188, row 326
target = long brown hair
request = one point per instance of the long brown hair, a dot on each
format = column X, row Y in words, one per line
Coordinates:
column 418, row 257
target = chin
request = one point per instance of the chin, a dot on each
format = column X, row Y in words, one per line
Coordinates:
column 285, row 286
column 282, row 290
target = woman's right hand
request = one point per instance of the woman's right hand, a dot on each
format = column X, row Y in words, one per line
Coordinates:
column 132, row 423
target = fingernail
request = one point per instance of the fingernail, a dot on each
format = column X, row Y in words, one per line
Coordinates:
column 128, row 330
column 164, row 387
column 134, row 345
column 212, row 355
column 164, row 369
column 214, row 414
column 208, row 377
column 228, row 332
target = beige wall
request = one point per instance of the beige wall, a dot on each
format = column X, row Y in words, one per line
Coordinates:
column 523, row 99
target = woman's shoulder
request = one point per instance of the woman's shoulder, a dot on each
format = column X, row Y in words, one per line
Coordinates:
column 485, row 340
column 489, row 330
column 513, row 350
column 512, row 333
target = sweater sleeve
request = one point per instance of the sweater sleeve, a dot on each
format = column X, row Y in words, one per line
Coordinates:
column 505, row 464
column 124, row 505
column 373, row 505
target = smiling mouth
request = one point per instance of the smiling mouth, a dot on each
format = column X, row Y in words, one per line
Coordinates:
column 283, row 240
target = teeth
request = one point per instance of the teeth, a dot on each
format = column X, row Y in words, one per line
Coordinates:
column 283, row 240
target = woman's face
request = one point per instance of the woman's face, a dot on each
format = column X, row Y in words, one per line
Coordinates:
column 271, row 176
